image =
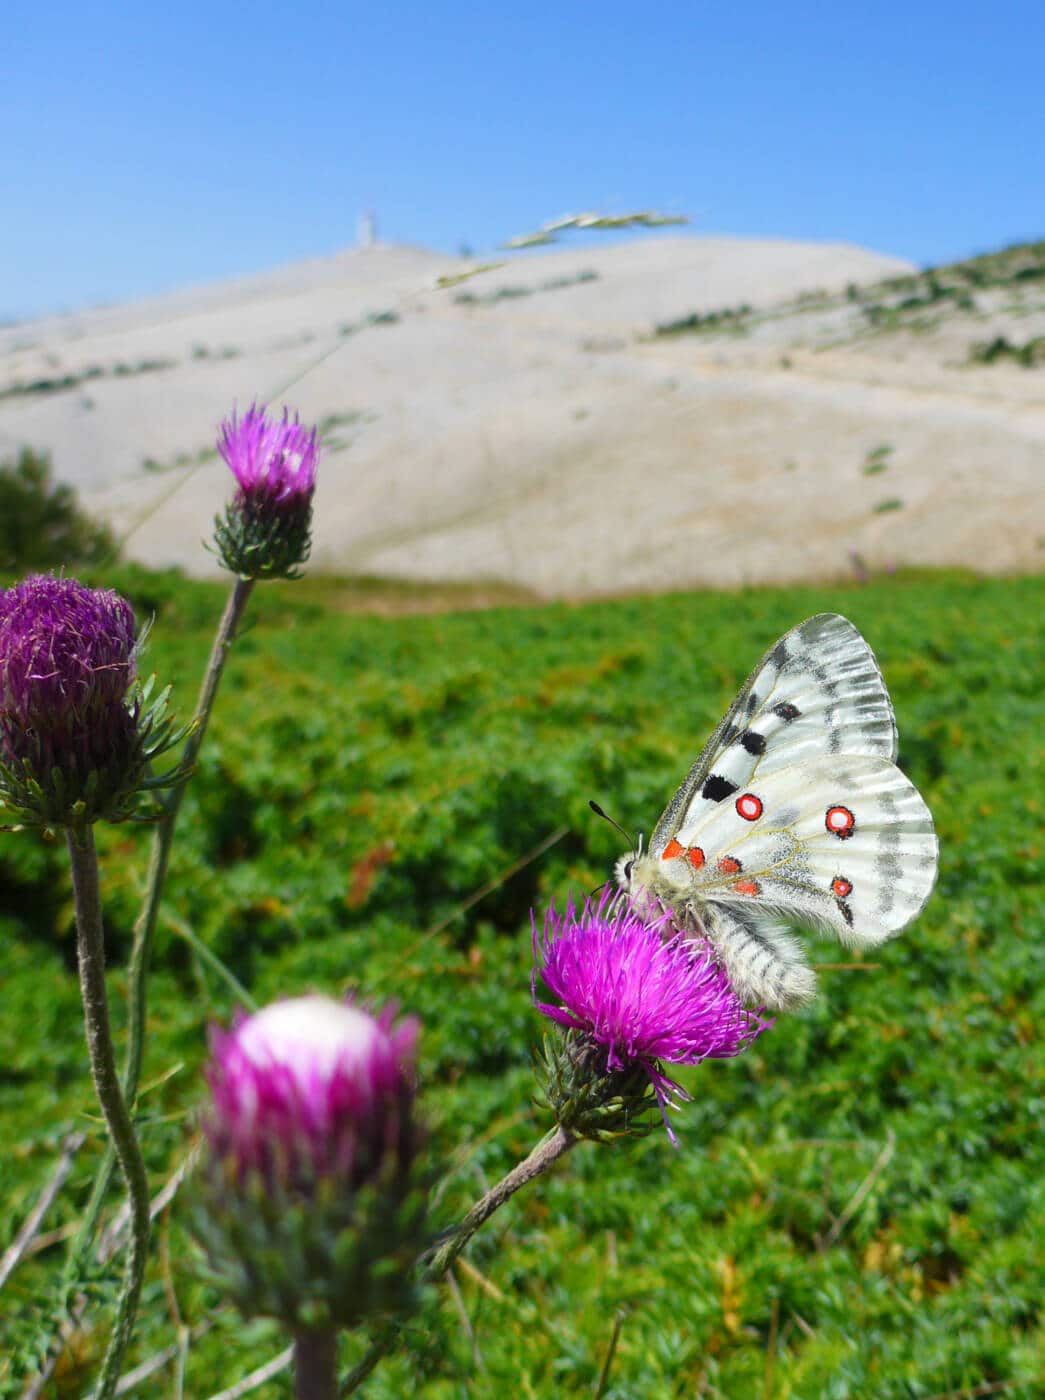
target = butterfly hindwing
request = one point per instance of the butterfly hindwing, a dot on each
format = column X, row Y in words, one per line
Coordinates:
column 766, row 964
column 845, row 843
column 818, row 691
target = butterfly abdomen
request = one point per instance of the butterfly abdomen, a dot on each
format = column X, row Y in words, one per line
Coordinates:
column 764, row 963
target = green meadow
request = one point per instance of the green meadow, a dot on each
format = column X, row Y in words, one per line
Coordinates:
column 856, row 1206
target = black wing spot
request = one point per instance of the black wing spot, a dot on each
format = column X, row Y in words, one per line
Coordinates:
column 787, row 712
column 752, row 703
column 780, row 655
column 754, row 743
column 847, row 913
column 717, row 788
column 729, row 733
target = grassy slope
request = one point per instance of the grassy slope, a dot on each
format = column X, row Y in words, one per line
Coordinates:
column 365, row 775
column 913, row 302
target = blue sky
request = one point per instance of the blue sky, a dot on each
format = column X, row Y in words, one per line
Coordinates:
column 145, row 147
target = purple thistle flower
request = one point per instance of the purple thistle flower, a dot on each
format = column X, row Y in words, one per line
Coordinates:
column 267, row 528
column 641, row 991
column 67, row 655
column 277, row 460
column 311, row 1088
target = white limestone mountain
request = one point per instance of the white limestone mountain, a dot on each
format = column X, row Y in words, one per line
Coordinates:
column 792, row 419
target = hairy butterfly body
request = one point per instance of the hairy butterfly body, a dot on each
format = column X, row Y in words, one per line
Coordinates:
column 795, row 813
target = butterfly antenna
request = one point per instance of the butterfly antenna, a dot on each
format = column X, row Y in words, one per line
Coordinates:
column 607, row 818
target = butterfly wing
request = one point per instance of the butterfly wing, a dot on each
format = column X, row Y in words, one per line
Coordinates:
column 818, row 691
column 845, row 843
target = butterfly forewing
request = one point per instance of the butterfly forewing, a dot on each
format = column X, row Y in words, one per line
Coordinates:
column 816, row 692
column 845, row 842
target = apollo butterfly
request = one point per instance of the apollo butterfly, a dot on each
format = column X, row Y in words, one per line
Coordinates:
column 795, row 813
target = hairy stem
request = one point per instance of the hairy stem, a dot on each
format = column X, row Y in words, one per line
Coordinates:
column 315, row 1365
column 547, row 1152
column 90, row 948
column 145, row 926
column 381, row 1345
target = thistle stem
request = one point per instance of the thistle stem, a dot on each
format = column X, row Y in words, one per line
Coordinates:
column 437, row 1263
column 315, row 1365
column 145, row 926
column 90, row 947
column 545, row 1154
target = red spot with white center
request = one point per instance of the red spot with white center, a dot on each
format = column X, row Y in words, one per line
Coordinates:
column 841, row 886
column 749, row 807
column 728, row 865
column 840, row 822
column 671, row 850
column 695, row 856
column 749, row 887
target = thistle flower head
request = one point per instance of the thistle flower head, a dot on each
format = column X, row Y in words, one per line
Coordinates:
column 266, row 531
column 639, row 993
column 310, row 1088
column 308, row 1201
column 66, row 651
column 74, row 742
column 275, row 459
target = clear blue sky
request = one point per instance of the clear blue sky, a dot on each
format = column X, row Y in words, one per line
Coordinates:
column 145, row 146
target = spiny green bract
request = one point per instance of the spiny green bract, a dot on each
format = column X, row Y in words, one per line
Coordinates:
column 364, row 776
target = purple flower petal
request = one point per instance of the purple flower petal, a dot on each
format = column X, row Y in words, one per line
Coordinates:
column 268, row 457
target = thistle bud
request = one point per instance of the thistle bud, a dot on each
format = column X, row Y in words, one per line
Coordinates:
column 307, row 1201
column 633, row 995
column 266, row 531
column 77, row 736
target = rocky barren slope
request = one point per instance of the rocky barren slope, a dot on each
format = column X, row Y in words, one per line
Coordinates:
column 657, row 414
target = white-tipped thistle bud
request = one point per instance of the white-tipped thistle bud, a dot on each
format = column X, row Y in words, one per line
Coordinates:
column 308, row 1200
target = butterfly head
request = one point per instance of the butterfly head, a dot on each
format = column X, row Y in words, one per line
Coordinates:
column 624, row 868
column 638, row 875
